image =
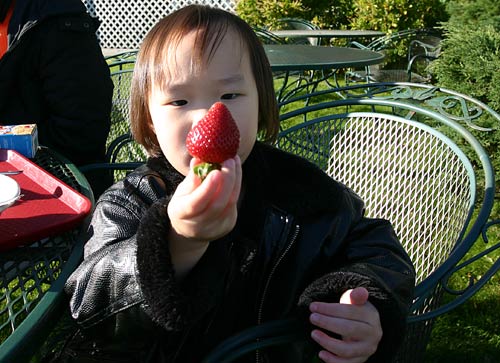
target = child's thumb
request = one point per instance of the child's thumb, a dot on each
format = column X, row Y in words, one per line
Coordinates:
column 357, row 296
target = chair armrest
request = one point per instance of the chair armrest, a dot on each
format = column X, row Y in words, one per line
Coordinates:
column 356, row 44
column 261, row 336
column 474, row 285
column 416, row 57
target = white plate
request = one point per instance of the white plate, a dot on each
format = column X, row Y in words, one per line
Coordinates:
column 9, row 192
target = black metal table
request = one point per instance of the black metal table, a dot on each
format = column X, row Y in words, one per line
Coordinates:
column 32, row 277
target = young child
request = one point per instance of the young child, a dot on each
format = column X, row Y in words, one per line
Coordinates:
column 173, row 265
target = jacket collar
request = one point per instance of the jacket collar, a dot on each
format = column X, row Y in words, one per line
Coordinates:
column 284, row 180
column 28, row 13
column 297, row 186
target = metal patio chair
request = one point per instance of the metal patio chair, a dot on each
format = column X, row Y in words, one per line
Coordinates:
column 422, row 47
column 266, row 36
column 422, row 170
column 299, row 24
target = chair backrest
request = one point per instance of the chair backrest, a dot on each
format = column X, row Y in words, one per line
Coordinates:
column 422, row 51
column 408, row 53
column 405, row 172
column 120, row 112
column 122, row 152
column 429, row 45
column 120, row 145
column 267, row 37
column 461, row 118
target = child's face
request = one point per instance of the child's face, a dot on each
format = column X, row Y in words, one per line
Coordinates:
column 176, row 106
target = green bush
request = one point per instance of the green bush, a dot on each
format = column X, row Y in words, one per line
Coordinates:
column 474, row 12
column 263, row 12
column 325, row 13
column 393, row 15
column 384, row 15
column 470, row 64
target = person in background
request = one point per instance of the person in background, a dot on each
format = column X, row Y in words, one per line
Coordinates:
column 53, row 73
column 174, row 265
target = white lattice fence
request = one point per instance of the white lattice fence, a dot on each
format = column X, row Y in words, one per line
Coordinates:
column 124, row 23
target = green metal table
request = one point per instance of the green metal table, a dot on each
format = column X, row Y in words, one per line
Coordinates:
column 288, row 58
column 348, row 34
column 299, row 57
column 32, row 277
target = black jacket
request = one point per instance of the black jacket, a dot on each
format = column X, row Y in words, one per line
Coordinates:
column 54, row 74
column 300, row 237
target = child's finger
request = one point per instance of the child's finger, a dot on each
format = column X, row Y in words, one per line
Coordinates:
column 237, row 183
column 222, row 188
column 190, row 182
column 357, row 296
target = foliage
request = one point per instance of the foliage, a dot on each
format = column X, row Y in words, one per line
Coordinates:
column 471, row 13
column 325, row 13
column 262, row 12
column 469, row 64
column 384, row 15
column 469, row 333
column 470, row 61
column 393, row 15
column 329, row 14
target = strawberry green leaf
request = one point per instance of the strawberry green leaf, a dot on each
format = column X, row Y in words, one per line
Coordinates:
column 202, row 169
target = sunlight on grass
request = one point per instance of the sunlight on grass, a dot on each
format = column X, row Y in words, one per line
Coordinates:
column 471, row 332
column 18, row 299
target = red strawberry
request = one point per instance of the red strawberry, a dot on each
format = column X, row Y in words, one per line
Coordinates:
column 213, row 139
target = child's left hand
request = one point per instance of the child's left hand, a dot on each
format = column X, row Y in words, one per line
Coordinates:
column 355, row 319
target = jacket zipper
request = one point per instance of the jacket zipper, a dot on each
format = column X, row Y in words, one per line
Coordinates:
column 268, row 282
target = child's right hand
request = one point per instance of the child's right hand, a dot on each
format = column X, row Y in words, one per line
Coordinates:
column 205, row 211
column 201, row 212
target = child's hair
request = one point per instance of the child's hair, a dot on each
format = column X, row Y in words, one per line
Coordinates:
column 160, row 43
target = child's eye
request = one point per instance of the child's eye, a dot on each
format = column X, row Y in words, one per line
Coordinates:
column 229, row 96
column 178, row 103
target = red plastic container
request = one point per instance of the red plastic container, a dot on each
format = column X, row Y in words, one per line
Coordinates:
column 47, row 207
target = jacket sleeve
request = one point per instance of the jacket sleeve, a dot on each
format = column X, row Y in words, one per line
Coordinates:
column 77, row 89
column 371, row 257
column 171, row 304
column 106, row 280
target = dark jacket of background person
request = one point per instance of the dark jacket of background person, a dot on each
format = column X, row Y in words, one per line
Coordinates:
column 54, row 74
column 300, row 237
